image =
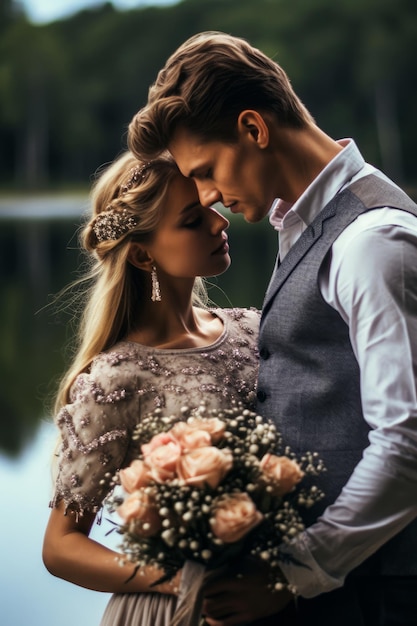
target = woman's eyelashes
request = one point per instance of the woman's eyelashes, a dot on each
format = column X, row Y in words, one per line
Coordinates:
column 193, row 223
column 194, row 218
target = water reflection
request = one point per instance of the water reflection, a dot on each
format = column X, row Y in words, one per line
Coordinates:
column 37, row 258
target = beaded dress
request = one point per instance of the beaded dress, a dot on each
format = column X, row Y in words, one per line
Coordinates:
column 130, row 380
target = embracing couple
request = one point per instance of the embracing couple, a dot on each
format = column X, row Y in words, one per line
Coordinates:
column 334, row 365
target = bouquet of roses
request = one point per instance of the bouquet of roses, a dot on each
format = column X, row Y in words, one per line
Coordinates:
column 209, row 486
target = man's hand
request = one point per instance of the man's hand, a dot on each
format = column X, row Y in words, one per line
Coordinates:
column 239, row 595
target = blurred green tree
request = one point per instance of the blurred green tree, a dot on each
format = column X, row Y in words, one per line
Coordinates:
column 68, row 89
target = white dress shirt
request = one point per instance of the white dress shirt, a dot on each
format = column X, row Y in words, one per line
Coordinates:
column 371, row 281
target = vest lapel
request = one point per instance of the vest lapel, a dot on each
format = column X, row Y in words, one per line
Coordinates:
column 298, row 251
column 345, row 204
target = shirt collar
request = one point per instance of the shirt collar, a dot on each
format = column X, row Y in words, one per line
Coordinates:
column 324, row 187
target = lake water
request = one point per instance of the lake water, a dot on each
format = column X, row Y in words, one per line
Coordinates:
column 28, row 593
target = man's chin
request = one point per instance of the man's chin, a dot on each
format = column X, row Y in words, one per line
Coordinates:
column 253, row 219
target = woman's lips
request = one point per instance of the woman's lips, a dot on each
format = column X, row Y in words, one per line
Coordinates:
column 223, row 248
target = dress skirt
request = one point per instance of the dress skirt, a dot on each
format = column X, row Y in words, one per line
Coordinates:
column 139, row 609
column 156, row 609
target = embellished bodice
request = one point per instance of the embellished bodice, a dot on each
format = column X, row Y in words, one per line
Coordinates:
column 129, row 381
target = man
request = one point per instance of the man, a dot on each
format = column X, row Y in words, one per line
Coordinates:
column 338, row 335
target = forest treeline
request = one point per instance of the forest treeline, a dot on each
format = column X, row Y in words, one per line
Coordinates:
column 69, row 88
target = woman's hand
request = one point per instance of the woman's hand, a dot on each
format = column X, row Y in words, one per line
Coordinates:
column 169, row 587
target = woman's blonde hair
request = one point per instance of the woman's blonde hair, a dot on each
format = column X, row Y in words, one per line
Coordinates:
column 204, row 86
column 127, row 201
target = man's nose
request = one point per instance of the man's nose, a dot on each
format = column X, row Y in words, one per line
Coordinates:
column 208, row 193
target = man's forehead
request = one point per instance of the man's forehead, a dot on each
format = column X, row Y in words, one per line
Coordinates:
column 189, row 151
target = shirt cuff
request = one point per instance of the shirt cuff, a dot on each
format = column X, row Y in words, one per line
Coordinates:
column 303, row 574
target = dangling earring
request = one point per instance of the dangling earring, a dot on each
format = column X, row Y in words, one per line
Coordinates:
column 156, row 290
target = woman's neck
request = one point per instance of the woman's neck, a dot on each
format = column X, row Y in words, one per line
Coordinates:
column 170, row 325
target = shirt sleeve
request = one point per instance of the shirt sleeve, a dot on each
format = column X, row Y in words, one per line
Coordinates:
column 95, row 435
column 372, row 281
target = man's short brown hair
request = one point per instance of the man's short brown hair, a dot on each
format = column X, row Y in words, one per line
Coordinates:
column 204, row 86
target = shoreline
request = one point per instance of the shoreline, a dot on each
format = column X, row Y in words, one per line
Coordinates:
column 43, row 206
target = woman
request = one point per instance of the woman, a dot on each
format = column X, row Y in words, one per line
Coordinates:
column 145, row 341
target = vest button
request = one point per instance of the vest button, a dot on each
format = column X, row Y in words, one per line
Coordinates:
column 261, row 395
column 264, row 354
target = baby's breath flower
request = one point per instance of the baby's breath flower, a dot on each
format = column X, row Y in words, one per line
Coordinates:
column 169, row 537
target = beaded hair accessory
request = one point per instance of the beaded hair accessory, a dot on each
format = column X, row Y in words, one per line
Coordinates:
column 135, row 175
column 111, row 224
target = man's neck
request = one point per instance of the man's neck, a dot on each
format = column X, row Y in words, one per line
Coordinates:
column 300, row 157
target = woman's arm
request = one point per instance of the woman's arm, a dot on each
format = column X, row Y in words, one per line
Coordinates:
column 70, row 554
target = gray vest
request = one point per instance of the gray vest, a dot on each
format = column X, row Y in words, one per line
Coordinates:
column 309, row 378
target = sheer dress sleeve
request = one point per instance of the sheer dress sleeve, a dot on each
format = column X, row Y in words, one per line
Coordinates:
column 95, row 431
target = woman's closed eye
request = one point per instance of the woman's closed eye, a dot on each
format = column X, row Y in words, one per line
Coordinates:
column 194, row 222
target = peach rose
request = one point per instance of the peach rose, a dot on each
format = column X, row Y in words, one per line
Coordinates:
column 213, row 425
column 135, row 476
column 207, row 465
column 139, row 511
column 281, row 473
column 234, row 516
column 189, row 437
column 161, row 439
column 162, row 461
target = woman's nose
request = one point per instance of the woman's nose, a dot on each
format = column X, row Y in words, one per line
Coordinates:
column 219, row 222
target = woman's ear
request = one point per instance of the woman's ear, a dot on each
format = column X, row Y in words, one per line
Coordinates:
column 139, row 257
column 253, row 124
